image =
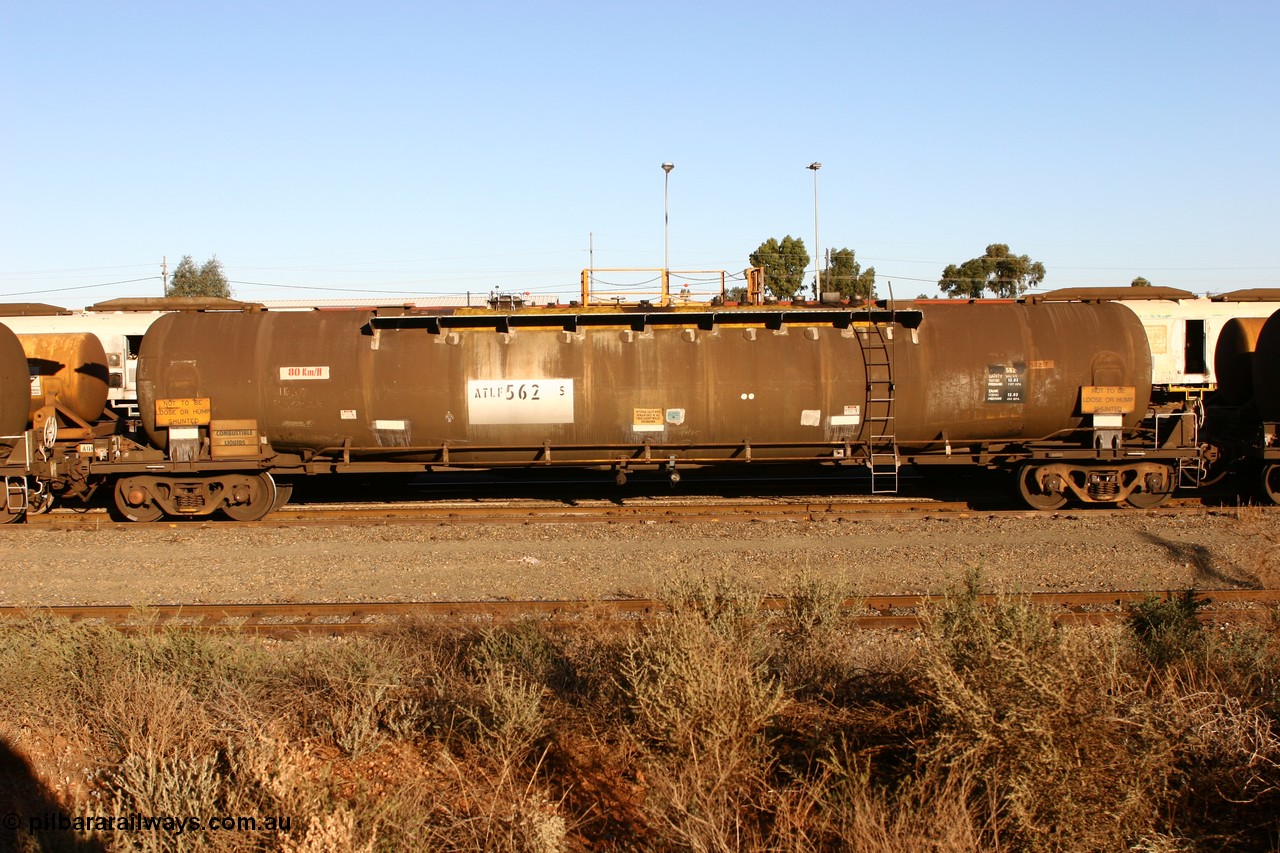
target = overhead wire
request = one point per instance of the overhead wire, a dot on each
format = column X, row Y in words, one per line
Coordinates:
column 81, row 287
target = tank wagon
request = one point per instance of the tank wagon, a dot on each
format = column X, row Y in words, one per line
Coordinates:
column 14, row 394
column 62, row 382
column 1266, row 406
column 15, row 388
column 1233, row 360
column 236, row 404
column 68, row 376
column 1057, row 392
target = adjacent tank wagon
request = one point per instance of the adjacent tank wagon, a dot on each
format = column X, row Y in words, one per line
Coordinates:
column 15, row 388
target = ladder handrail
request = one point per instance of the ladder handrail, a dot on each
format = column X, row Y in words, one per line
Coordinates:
column 880, row 429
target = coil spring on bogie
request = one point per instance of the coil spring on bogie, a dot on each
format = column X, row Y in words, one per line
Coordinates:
column 1104, row 490
column 188, row 502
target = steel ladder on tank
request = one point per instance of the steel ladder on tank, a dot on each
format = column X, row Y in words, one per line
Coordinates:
column 878, row 423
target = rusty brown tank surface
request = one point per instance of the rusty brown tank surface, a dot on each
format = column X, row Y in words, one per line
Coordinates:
column 15, row 387
column 985, row 372
column 1266, row 370
column 1008, row 370
column 71, row 367
column 1233, row 359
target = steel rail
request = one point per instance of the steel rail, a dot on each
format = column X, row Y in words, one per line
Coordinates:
column 870, row 612
column 828, row 509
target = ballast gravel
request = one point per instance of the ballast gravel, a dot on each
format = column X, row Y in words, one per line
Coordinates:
column 208, row 563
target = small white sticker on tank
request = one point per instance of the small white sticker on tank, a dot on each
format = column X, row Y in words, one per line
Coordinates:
column 37, row 390
column 852, row 417
column 811, row 417
column 519, row 401
column 293, row 373
column 348, row 414
column 388, row 425
column 675, row 417
column 183, row 433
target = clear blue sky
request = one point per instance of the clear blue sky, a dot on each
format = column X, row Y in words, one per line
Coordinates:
column 323, row 149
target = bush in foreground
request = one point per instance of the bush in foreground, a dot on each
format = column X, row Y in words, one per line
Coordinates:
column 713, row 728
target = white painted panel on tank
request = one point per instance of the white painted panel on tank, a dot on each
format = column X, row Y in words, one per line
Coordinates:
column 288, row 374
column 519, row 401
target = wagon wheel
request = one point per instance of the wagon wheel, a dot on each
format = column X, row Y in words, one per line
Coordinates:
column 1148, row 500
column 1271, row 483
column 257, row 497
column 284, row 491
column 1153, row 497
column 134, row 501
column 1031, row 491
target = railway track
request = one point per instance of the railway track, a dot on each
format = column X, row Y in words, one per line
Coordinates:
column 870, row 612
column 606, row 511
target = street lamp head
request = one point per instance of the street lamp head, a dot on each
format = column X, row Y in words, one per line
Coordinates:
column 667, row 167
column 814, row 166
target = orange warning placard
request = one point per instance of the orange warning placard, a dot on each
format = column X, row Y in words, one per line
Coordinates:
column 1108, row 399
column 183, row 411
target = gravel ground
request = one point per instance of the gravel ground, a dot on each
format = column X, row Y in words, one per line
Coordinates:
column 190, row 563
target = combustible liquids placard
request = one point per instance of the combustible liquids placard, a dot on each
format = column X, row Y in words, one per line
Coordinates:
column 1108, row 399
column 519, row 401
column 183, row 411
column 229, row 439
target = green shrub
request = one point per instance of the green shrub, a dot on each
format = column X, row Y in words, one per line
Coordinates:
column 1168, row 629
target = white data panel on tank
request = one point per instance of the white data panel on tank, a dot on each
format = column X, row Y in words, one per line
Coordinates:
column 519, row 401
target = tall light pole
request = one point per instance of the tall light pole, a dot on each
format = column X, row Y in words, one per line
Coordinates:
column 666, row 220
column 817, row 263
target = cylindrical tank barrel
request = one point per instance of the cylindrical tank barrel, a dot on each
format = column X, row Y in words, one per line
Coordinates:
column 1266, row 370
column 71, row 367
column 325, row 380
column 15, row 387
column 1008, row 370
column 1233, row 359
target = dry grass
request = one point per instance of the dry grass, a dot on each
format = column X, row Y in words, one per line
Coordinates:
column 710, row 729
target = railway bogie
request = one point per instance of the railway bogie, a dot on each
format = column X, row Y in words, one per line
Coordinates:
column 1050, row 485
column 241, row 496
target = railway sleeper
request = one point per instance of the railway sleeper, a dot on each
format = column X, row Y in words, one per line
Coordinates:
column 1141, row 484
